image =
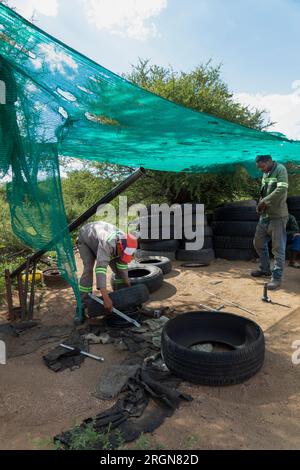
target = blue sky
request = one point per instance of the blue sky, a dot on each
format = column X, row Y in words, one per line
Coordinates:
column 257, row 41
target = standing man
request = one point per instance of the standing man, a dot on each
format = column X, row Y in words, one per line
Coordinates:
column 106, row 245
column 273, row 220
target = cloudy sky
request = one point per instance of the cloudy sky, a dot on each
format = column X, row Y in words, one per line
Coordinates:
column 257, row 41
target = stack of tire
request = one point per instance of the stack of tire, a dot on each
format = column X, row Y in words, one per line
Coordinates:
column 172, row 243
column 205, row 255
column 294, row 207
column 234, row 230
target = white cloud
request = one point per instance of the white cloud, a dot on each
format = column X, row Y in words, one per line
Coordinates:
column 57, row 60
column 284, row 109
column 27, row 8
column 128, row 18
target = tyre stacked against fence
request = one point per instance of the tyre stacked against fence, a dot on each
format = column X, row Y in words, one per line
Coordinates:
column 294, row 207
column 204, row 255
column 234, row 229
column 170, row 241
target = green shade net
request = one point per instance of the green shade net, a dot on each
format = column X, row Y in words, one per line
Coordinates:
column 59, row 102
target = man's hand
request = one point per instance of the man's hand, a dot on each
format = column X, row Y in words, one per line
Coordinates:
column 261, row 206
column 127, row 282
column 108, row 305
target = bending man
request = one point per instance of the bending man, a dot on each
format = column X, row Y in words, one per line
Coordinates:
column 104, row 244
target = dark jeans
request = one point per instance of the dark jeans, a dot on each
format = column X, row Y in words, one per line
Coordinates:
column 271, row 230
column 294, row 241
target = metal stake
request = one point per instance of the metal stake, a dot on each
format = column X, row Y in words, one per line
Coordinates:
column 92, row 356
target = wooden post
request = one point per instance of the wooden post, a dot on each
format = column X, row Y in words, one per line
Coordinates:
column 9, row 298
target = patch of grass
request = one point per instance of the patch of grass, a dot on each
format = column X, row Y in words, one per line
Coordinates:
column 88, row 438
column 145, row 443
column 42, row 443
column 84, row 439
column 191, row 442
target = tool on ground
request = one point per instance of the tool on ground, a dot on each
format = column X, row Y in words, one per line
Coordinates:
column 215, row 310
column 233, row 304
column 91, row 356
column 117, row 312
column 266, row 298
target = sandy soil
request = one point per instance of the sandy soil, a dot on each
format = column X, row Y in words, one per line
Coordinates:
column 264, row 413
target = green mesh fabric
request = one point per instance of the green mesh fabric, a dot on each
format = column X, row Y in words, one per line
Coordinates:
column 59, row 102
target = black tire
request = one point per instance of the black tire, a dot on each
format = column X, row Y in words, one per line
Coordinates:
column 162, row 245
column 208, row 243
column 234, row 204
column 244, row 337
column 235, row 243
column 52, row 278
column 207, row 231
column 239, row 229
column 294, row 203
column 146, row 224
column 151, row 276
column 295, row 213
column 239, row 213
column 196, row 256
column 161, row 262
column 124, row 300
column 145, row 254
column 114, row 321
column 235, row 254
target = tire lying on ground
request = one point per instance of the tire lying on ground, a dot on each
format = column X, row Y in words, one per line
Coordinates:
column 199, row 256
column 161, row 262
column 163, row 254
column 126, row 299
column 244, row 341
column 151, row 276
column 114, row 321
column 53, row 278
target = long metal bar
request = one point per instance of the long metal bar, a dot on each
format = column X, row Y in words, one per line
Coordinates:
column 229, row 302
column 215, row 310
column 85, row 216
column 117, row 312
column 83, row 353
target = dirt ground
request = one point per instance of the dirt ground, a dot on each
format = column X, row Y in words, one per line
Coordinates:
column 264, row 413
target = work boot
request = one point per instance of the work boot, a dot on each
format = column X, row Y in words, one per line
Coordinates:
column 260, row 273
column 274, row 284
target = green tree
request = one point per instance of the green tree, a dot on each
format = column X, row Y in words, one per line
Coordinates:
column 202, row 89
